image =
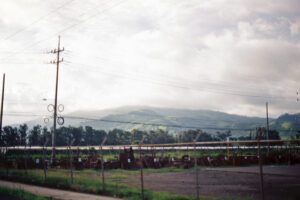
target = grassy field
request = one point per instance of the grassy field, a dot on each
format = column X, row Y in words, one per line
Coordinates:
column 21, row 194
column 89, row 181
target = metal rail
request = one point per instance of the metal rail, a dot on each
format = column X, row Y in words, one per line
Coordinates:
column 186, row 145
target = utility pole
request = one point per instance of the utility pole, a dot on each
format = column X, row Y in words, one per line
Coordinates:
column 57, row 52
column 2, row 102
column 268, row 136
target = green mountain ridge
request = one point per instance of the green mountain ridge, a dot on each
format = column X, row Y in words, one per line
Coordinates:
column 177, row 120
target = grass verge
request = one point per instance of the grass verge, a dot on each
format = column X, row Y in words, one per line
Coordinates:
column 21, row 194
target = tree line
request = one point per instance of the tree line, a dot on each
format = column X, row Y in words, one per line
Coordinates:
column 83, row 136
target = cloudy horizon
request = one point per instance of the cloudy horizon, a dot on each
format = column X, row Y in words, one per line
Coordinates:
column 229, row 56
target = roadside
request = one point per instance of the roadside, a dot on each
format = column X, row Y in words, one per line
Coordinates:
column 54, row 193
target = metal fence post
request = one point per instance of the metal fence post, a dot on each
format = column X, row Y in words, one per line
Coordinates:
column 196, row 164
column 25, row 161
column 44, row 158
column 141, row 168
column 70, row 154
column 260, row 166
column 102, row 164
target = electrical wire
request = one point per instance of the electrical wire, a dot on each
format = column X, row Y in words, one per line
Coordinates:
column 206, row 89
column 38, row 20
column 67, row 28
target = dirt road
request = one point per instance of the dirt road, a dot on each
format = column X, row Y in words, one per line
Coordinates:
column 54, row 193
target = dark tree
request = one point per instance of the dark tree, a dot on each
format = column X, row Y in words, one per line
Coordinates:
column 23, row 134
column 35, row 135
column 11, row 136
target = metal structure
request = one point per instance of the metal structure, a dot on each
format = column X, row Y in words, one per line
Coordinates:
column 71, row 155
column 141, row 167
column 196, row 165
column 260, row 165
column 44, row 160
column 102, row 164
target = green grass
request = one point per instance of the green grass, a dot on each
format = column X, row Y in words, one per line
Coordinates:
column 89, row 181
column 22, row 194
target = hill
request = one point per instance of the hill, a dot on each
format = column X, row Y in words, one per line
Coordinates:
column 176, row 120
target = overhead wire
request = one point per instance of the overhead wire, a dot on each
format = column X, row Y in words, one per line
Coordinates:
column 206, row 89
column 38, row 20
column 67, row 28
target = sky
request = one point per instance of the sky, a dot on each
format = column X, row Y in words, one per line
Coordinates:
column 224, row 55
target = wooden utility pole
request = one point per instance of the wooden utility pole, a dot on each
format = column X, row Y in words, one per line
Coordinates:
column 268, row 135
column 57, row 52
column 2, row 102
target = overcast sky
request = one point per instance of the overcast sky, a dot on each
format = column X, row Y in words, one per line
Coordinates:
column 230, row 56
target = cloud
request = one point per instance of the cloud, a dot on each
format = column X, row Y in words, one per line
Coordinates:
column 190, row 54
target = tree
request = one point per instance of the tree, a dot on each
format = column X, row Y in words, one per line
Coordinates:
column 11, row 136
column 223, row 136
column 46, row 136
column 62, row 136
column 23, row 134
column 35, row 135
column 112, row 137
column 77, row 135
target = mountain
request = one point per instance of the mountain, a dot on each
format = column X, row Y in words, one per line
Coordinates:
column 149, row 118
column 288, row 124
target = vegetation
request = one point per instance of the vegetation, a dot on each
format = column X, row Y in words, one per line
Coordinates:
column 21, row 194
column 13, row 136
column 86, row 181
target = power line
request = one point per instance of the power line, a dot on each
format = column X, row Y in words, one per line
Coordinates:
column 206, row 89
column 65, row 29
column 38, row 20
